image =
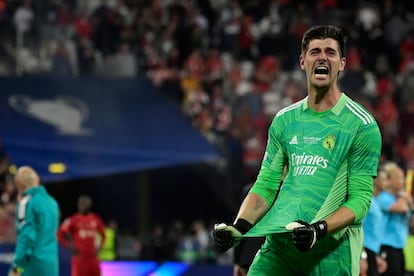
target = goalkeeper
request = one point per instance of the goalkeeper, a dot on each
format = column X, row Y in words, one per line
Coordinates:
column 330, row 147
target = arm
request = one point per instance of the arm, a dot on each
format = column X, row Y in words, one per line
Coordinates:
column 360, row 190
column 65, row 237
column 262, row 194
column 63, row 233
column 253, row 208
column 340, row 219
column 260, row 197
column 363, row 163
column 402, row 205
column 101, row 231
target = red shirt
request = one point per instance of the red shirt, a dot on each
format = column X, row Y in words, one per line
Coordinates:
column 84, row 231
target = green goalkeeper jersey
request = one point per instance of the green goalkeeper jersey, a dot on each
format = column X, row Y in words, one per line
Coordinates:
column 320, row 150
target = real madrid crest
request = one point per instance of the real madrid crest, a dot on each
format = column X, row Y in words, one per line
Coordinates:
column 329, row 142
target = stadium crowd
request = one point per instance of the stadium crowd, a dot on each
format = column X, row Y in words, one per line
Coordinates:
column 228, row 65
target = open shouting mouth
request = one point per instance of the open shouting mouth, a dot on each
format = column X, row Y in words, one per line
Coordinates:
column 321, row 70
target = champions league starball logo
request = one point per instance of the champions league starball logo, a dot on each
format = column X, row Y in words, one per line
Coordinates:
column 66, row 114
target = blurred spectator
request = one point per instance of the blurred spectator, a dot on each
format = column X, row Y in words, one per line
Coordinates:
column 4, row 165
column 9, row 193
column 406, row 120
column 373, row 226
column 125, row 63
column 154, row 247
column 203, row 238
column 128, row 247
column 61, row 61
column 106, row 27
column 214, row 67
column 83, row 25
column 406, row 52
column 395, row 27
column 87, row 57
column 353, row 80
column 109, row 247
column 173, row 239
column 397, row 208
column 66, row 21
column 386, row 113
column 7, row 228
column 23, row 19
column 407, row 151
column 230, row 24
column 189, row 248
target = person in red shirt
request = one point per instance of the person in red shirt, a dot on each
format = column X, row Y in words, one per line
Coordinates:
column 83, row 234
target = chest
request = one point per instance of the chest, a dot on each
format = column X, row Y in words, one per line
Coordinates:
column 320, row 142
column 85, row 223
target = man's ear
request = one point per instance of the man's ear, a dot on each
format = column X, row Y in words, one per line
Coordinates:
column 302, row 62
column 342, row 64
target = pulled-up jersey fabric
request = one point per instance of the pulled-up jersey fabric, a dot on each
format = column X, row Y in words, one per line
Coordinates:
column 322, row 151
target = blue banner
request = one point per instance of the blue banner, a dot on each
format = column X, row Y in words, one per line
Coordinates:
column 90, row 127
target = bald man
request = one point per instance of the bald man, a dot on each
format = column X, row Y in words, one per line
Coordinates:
column 37, row 221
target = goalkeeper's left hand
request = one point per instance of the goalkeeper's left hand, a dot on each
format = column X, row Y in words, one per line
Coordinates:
column 227, row 236
column 305, row 235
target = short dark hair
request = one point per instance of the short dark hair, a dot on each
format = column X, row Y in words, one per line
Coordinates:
column 322, row 32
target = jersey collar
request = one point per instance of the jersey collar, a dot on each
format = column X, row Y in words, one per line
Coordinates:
column 336, row 109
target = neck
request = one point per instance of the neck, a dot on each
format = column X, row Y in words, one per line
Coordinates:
column 321, row 100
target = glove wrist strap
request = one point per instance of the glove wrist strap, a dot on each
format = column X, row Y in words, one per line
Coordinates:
column 321, row 228
column 242, row 225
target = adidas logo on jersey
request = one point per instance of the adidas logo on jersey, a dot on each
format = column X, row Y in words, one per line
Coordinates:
column 294, row 140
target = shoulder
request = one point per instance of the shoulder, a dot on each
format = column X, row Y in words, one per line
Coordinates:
column 359, row 112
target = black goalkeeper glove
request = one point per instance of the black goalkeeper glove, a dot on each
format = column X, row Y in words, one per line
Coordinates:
column 305, row 235
column 227, row 236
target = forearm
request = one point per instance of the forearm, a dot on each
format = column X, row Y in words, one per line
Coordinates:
column 360, row 189
column 25, row 243
column 340, row 219
column 402, row 205
column 356, row 207
column 24, row 248
column 253, row 208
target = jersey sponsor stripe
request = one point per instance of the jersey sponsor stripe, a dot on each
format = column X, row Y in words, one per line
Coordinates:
column 290, row 107
column 360, row 113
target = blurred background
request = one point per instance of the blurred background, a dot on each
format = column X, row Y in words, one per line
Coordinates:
column 159, row 110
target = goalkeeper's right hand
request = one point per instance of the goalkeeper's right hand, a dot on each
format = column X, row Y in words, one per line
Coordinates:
column 227, row 236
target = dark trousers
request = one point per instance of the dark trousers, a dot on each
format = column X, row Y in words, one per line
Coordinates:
column 372, row 263
column 395, row 261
